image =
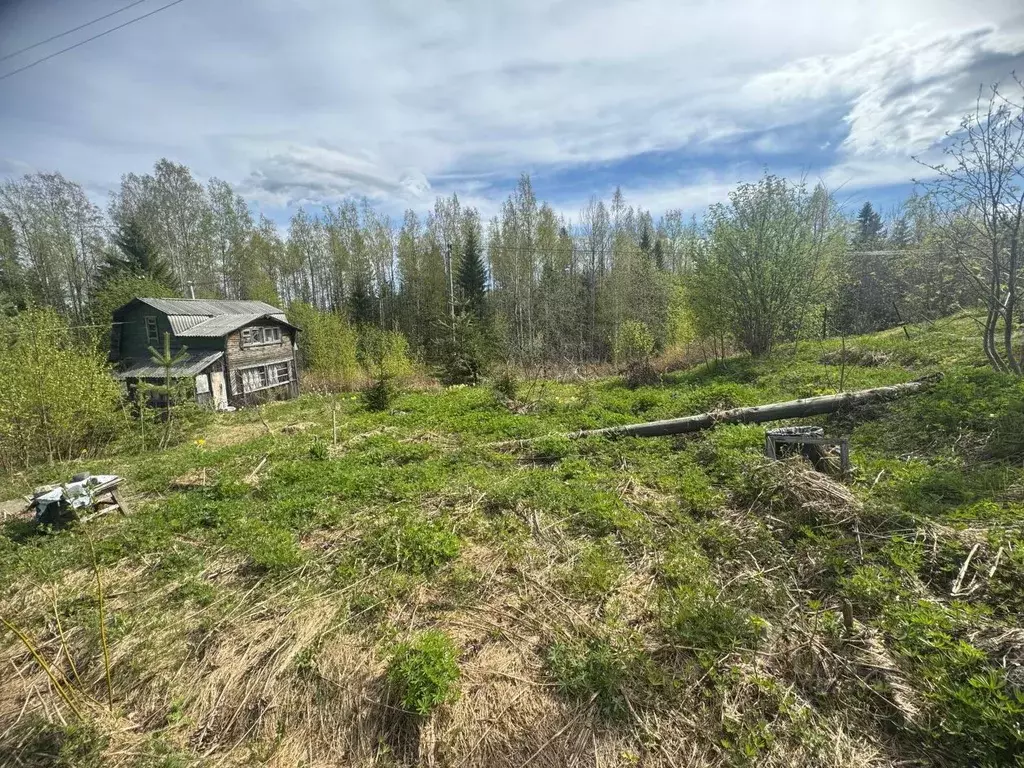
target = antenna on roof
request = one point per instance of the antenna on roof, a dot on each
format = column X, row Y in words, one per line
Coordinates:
column 191, row 289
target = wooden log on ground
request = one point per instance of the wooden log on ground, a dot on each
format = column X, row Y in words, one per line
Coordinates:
column 791, row 409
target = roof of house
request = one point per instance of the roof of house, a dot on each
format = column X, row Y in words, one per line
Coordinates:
column 221, row 324
column 211, row 307
column 190, row 364
column 211, row 317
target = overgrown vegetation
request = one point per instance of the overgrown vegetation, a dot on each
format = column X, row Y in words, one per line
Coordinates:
column 58, row 397
column 420, row 586
column 457, row 577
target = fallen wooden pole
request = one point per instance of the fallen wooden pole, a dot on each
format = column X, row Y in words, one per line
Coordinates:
column 809, row 406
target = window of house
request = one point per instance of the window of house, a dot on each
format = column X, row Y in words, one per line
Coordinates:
column 152, row 336
column 279, row 373
column 254, row 378
column 264, row 376
column 261, row 335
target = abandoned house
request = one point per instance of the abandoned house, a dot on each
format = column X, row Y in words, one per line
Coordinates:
column 237, row 352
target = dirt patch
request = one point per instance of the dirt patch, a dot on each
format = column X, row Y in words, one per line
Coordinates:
column 14, row 509
column 233, row 434
column 298, row 427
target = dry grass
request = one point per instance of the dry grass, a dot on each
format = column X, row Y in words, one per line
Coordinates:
column 281, row 675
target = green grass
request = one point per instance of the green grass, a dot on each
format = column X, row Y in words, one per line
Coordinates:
column 638, row 582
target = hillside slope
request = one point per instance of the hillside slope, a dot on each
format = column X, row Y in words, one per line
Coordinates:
column 656, row 602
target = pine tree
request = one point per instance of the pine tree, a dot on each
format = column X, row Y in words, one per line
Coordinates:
column 472, row 277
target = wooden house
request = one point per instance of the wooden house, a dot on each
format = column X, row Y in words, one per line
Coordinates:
column 237, row 352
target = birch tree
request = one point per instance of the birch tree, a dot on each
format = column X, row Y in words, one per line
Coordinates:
column 981, row 188
column 768, row 256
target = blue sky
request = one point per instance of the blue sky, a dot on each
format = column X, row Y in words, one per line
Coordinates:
column 306, row 102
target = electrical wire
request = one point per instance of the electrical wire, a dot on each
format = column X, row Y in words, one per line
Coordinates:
column 90, row 39
column 27, row 48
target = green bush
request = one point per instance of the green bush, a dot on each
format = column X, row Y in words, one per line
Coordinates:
column 551, row 448
column 634, row 345
column 327, row 347
column 425, row 672
column 385, row 357
column 695, row 612
column 270, row 548
column 599, row 568
column 59, row 399
column 51, row 745
column 506, row 385
column 384, row 354
column 698, row 617
column 380, row 395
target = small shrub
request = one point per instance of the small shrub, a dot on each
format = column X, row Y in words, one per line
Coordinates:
column 645, row 402
column 227, row 488
column 385, row 357
column 701, row 619
column 59, row 399
column 634, row 345
column 873, row 587
column 380, row 395
column 269, row 548
column 506, row 385
column 464, row 352
column 327, row 346
column 318, row 450
column 384, row 354
column 551, row 448
column 695, row 612
column 61, row 746
column 425, row 672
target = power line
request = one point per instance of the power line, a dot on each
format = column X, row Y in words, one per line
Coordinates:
column 90, row 39
column 69, row 31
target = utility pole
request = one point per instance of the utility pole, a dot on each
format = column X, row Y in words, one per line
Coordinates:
column 451, row 289
column 191, row 289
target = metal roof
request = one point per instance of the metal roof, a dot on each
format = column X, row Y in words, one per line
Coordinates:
column 222, row 324
column 190, row 365
column 211, row 307
column 181, row 323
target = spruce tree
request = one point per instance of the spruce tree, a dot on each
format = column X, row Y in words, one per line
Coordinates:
column 136, row 256
column 360, row 301
column 869, row 227
column 645, row 241
column 659, row 254
column 472, row 277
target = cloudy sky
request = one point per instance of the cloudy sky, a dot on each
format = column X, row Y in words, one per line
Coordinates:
column 303, row 102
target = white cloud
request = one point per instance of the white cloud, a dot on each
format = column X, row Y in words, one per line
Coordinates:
column 296, row 175
column 309, row 101
column 903, row 91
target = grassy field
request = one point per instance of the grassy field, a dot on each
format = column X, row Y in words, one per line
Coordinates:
column 428, row 589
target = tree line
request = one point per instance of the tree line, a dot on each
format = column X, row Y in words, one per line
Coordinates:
column 540, row 286
column 778, row 261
